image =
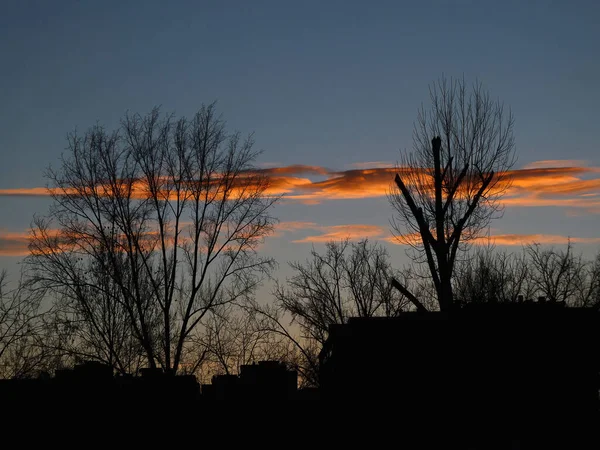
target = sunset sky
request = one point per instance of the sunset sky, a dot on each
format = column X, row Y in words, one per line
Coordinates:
column 331, row 90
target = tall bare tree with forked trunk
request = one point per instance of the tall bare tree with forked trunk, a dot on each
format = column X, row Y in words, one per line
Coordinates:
column 448, row 189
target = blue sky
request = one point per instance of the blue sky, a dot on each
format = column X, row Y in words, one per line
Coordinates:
column 327, row 83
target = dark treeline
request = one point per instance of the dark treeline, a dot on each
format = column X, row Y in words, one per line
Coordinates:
column 43, row 335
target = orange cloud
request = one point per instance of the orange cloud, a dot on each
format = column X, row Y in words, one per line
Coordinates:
column 339, row 232
column 27, row 192
column 557, row 179
column 564, row 185
column 349, row 184
column 292, row 226
column 558, row 187
column 14, row 244
column 328, row 233
column 361, row 231
column 511, row 239
column 547, row 239
column 546, row 163
column 538, row 184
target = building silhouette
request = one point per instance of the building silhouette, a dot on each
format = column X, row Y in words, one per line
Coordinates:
column 503, row 371
column 265, row 381
column 92, row 385
column 509, row 366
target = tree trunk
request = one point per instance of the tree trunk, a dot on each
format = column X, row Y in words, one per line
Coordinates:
column 445, row 295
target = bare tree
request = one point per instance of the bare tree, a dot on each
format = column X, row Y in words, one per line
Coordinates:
column 488, row 275
column 558, row 275
column 170, row 211
column 20, row 326
column 347, row 280
column 234, row 337
column 563, row 276
column 448, row 189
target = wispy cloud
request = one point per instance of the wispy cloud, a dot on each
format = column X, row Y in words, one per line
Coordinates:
column 292, row 226
column 563, row 187
column 25, row 192
column 322, row 234
column 14, row 243
column 295, row 169
column 372, row 165
column 509, row 240
column 339, row 232
column 546, row 183
column 560, row 183
column 349, row 184
column 553, row 163
column 544, row 239
column 325, row 233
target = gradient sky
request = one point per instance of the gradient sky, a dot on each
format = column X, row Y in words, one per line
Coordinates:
column 329, row 84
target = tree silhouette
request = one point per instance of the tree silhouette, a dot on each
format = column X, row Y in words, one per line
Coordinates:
column 448, row 189
column 490, row 275
column 564, row 276
column 346, row 280
column 171, row 211
column 88, row 320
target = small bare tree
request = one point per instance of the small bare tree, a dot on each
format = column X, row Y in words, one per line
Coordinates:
column 492, row 276
column 564, row 276
column 170, row 211
column 448, row 189
column 558, row 275
column 347, row 280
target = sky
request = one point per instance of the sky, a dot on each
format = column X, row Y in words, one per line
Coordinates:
column 329, row 88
